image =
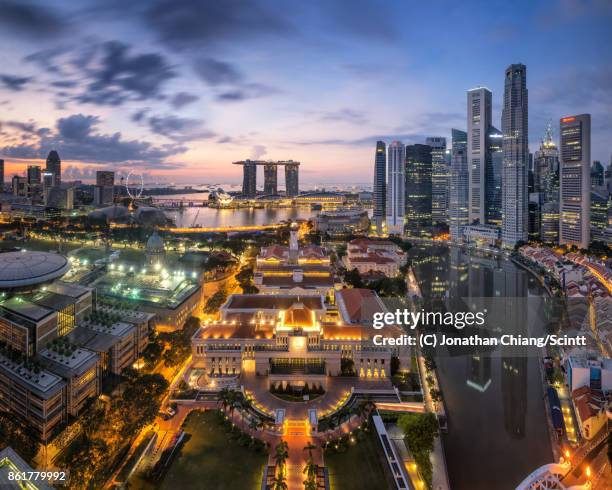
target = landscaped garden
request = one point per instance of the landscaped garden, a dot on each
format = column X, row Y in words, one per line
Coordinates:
column 213, row 459
column 371, row 472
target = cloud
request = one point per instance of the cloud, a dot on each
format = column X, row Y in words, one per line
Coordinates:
column 246, row 91
column 257, row 152
column 186, row 23
column 180, row 129
column 31, row 19
column 406, row 138
column 13, row 82
column 215, row 72
column 116, row 76
column 344, row 115
column 77, row 138
column 181, row 99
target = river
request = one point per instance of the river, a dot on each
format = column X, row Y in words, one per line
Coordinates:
column 494, row 400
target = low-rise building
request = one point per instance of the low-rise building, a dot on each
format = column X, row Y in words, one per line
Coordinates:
column 341, row 222
column 482, row 235
column 369, row 256
column 10, row 464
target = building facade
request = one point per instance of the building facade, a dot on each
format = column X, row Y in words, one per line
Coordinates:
column 575, row 180
column 396, row 188
column 479, row 120
column 419, row 189
column 459, row 186
column 439, row 180
column 54, row 165
column 380, row 185
column 515, row 156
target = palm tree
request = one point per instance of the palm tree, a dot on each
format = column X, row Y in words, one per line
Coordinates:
column 224, row 397
column 282, row 453
column 309, row 447
column 310, row 483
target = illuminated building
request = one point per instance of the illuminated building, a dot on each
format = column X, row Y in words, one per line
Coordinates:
column 418, row 189
column 478, row 124
column 396, row 188
column 516, row 156
column 292, row 184
column 439, row 180
column 369, row 256
column 249, row 180
column 380, row 185
column 10, row 464
column 294, row 339
column 575, row 181
column 54, row 166
column 546, row 168
column 336, row 223
column 459, row 186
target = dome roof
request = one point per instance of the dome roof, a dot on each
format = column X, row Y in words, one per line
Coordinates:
column 19, row 269
column 110, row 213
column 149, row 216
column 155, row 243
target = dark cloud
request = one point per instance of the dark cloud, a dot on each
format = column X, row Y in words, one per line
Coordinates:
column 215, row 72
column 13, row 82
column 31, row 19
column 179, row 129
column 181, row 99
column 185, row 23
column 116, row 76
column 77, row 138
column 246, row 91
column 344, row 115
column 407, row 138
column 139, row 116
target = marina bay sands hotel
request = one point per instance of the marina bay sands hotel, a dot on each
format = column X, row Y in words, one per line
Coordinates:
column 249, row 181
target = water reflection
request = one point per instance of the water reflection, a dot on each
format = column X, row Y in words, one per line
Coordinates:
column 493, row 395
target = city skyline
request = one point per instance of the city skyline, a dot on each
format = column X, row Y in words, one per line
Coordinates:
column 118, row 88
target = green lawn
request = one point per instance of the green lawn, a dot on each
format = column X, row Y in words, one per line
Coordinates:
column 210, row 460
column 361, row 467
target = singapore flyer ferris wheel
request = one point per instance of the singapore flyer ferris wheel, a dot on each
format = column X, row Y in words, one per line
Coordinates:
column 134, row 185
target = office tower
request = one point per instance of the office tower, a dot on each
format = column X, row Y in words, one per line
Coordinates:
column 34, row 175
column 270, row 179
column 608, row 179
column 478, row 123
column 105, row 178
column 380, row 185
column 439, row 180
column 60, row 197
column 292, row 187
column 1, row 174
column 493, row 177
column 516, row 156
column 418, row 189
column 249, row 180
column 54, row 166
column 600, row 206
column 395, row 208
column 459, row 186
column 19, row 186
column 575, row 180
column 546, row 168
column 597, row 176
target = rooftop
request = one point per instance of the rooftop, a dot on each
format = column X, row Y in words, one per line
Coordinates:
column 17, row 308
column 20, row 269
column 43, row 382
column 271, row 302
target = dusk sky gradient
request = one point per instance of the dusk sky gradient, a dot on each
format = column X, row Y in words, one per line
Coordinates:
column 181, row 88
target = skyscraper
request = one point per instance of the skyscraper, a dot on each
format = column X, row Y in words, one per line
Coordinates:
column 418, row 189
column 516, row 156
column 478, row 124
column 459, row 186
column 575, row 180
column 380, row 186
column 270, row 179
column 597, row 176
column 546, row 169
column 249, row 181
column 104, row 188
column 34, row 174
column 439, row 180
column 493, row 177
column 292, row 186
column 395, row 208
column 105, row 178
column 54, row 166
column 1, row 174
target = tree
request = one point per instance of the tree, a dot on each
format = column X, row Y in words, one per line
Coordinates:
column 18, row 436
column 419, row 433
column 280, row 482
column 310, row 470
column 281, row 454
column 215, row 301
column 353, row 278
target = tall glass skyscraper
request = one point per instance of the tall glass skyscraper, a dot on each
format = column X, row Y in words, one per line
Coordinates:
column 380, row 185
column 439, row 180
column 396, row 184
column 493, row 178
column 418, row 189
column 515, row 156
column 546, row 170
column 478, row 124
column 54, row 166
column 459, row 182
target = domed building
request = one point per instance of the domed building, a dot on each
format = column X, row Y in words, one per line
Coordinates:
column 25, row 271
column 110, row 214
column 155, row 252
column 150, row 217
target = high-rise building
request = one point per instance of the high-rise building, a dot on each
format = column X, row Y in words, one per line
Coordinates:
column 249, row 181
column 34, row 175
column 105, row 178
column 600, row 207
column 270, row 179
column 1, row 174
column 597, row 176
column 493, row 178
column 395, row 209
column 103, row 192
column 478, row 124
column 608, row 178
column 418, row 189
column 516, row 156
column 439, row 180
column 546, row 170
column 292, row 186
column 380, row 185
column 20, row 186
column 54, row 166
column 459, row 186
column 575, row 180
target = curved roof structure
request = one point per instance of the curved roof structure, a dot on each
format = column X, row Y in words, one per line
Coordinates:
column 21, row 269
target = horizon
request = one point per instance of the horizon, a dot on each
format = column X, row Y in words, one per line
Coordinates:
column 146, row 87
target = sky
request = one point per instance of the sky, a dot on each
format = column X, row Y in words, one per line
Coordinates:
column 179, row 89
